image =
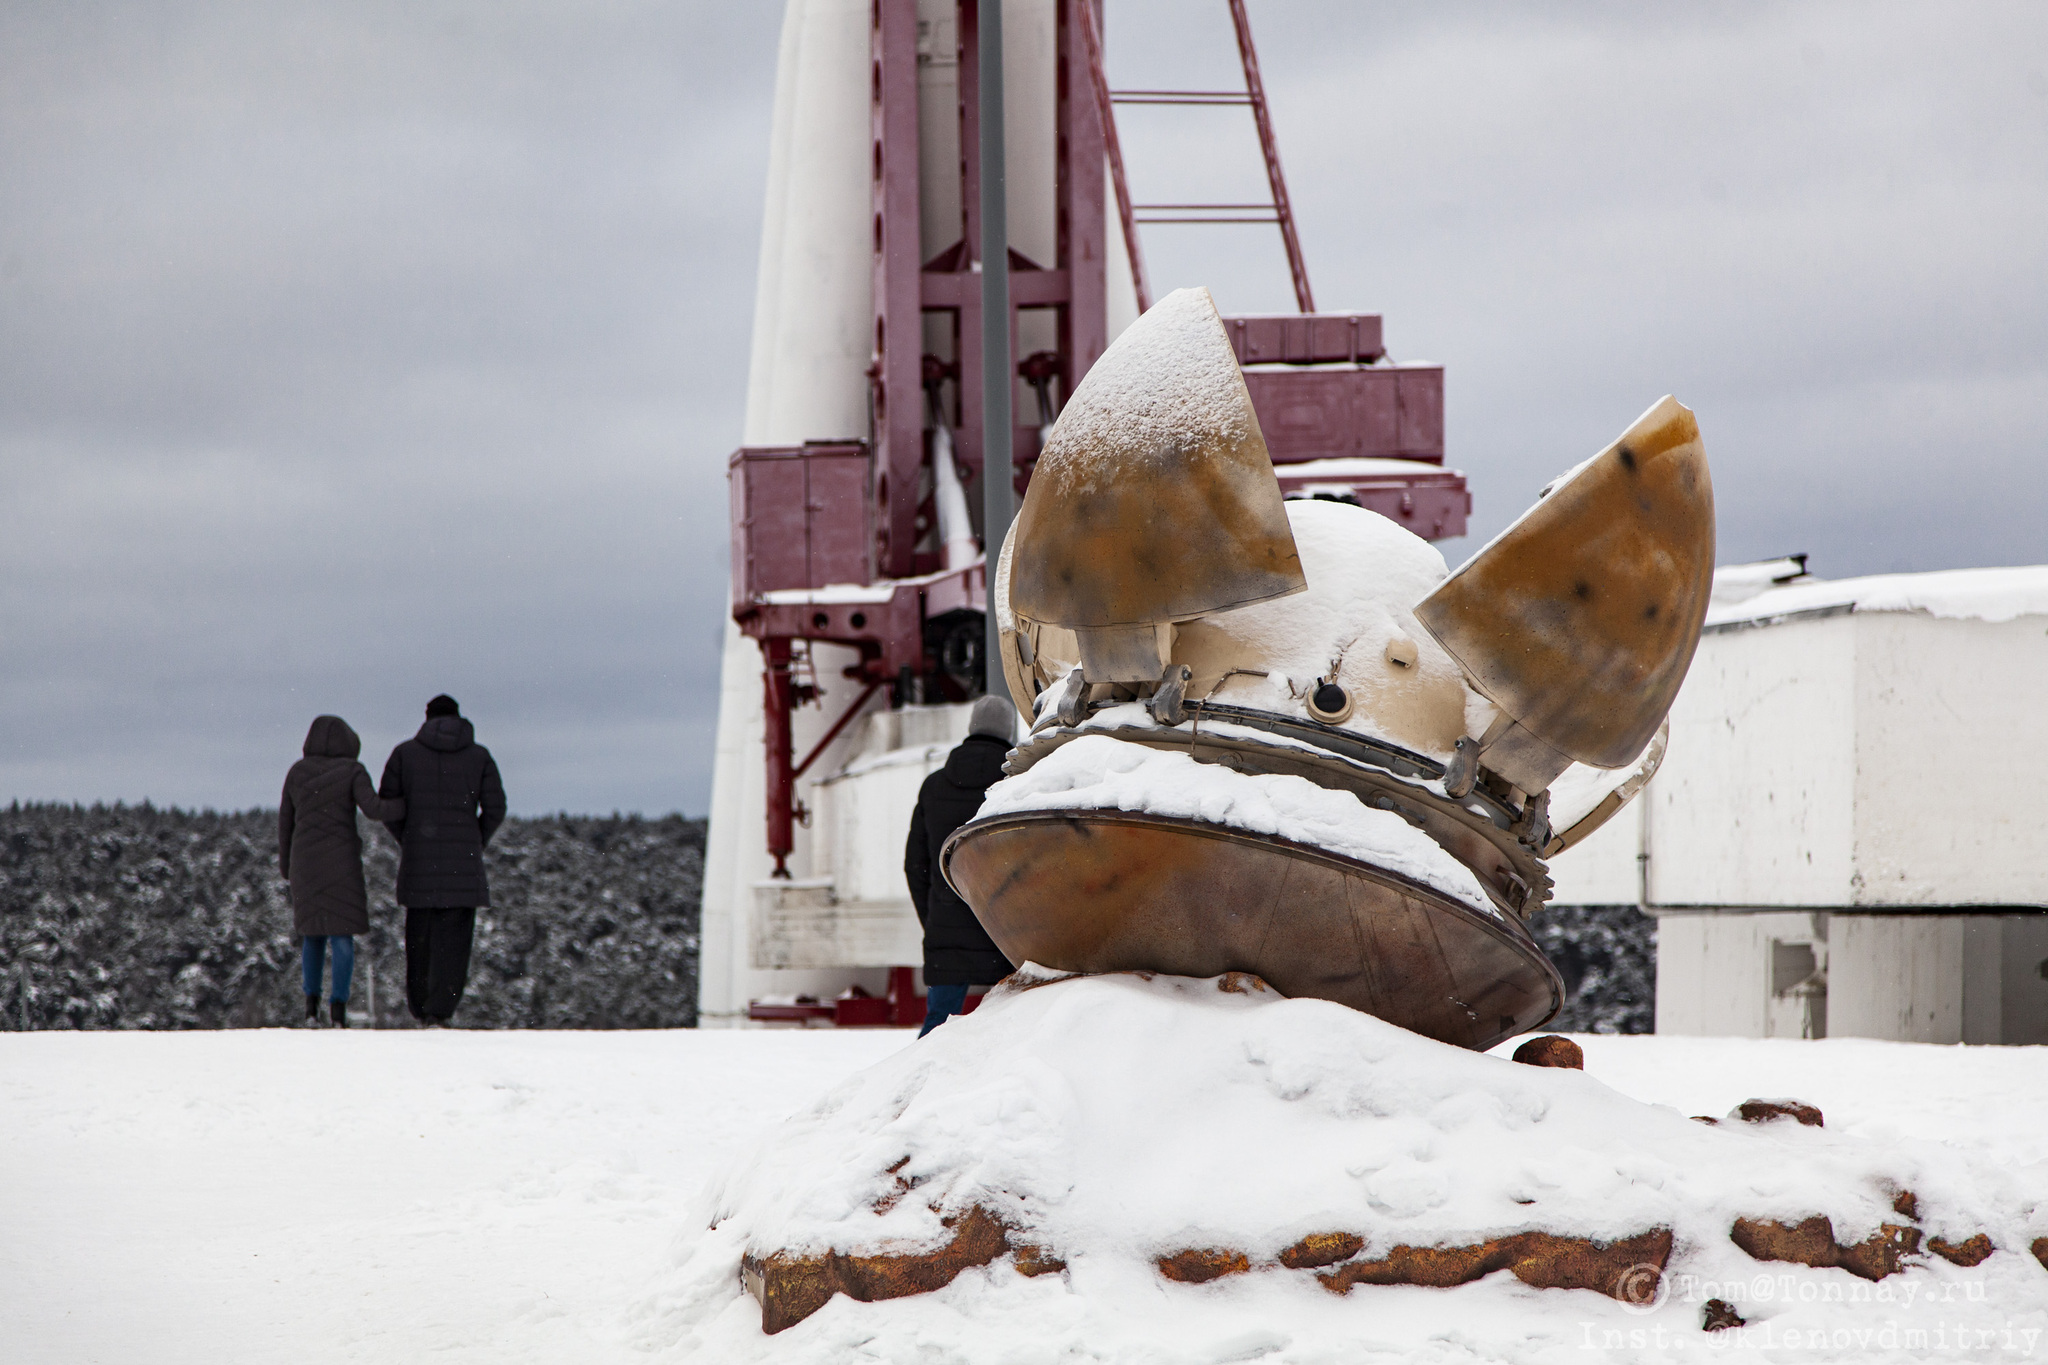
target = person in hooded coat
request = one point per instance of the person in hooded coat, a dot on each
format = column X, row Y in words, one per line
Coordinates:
column 958, row 952
column 320, row 852
column 454, row 802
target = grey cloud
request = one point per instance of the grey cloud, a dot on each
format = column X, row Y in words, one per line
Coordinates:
column 1818, row 224
column 357, row 353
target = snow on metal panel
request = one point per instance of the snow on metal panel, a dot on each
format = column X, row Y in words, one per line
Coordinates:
column 1750, row 592
column 1754, row 804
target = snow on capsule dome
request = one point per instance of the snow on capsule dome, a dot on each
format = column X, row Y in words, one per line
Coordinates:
column 1354, row 626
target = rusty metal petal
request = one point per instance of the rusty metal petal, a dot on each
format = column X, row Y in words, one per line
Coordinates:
column 1580, row 620
column 1154, row 499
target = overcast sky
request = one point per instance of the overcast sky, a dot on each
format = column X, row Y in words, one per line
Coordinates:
column 358, row 352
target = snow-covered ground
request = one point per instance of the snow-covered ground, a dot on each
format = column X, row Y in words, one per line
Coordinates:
column 306, row 1197
column 312, row 1196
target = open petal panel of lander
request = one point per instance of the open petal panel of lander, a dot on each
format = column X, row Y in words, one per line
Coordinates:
column 1276, row 737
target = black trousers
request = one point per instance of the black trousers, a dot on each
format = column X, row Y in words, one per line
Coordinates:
column 437, row 960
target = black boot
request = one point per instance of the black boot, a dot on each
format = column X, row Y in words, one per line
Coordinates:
column 313, row 1009
column 337, row 1013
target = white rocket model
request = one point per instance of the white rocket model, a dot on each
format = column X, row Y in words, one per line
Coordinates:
column 843, row 916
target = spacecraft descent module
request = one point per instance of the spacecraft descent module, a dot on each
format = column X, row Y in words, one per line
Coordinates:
column 1276, row 737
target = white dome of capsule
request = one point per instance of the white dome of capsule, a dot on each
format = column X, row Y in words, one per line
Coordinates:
column 1353, row 627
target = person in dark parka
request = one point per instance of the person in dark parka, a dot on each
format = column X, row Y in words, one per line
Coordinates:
column 320, row 852
column 454, row 802
column 958, row 952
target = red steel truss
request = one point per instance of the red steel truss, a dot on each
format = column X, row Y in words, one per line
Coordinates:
column 1278, row 210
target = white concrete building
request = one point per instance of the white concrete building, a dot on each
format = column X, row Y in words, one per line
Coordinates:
column 854, row 909
column 1847, row 833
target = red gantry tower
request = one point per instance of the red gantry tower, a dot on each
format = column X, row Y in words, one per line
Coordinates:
column 858, row 564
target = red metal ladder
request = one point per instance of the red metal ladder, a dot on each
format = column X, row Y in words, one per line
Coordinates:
column 1279, row 210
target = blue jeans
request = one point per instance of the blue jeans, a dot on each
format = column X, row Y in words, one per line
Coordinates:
column 313, row 956
column 941, row 1002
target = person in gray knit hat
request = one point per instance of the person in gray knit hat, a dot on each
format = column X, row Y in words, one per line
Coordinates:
column 958, row 952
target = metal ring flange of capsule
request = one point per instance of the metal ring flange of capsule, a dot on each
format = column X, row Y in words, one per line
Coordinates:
column 1107, row 891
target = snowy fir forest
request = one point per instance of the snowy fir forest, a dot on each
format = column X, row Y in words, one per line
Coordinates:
column 135, row 917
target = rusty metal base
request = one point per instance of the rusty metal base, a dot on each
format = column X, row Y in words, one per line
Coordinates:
column 1106, row 891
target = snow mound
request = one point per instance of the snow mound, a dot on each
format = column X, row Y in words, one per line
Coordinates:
column 1096, row 772
column 1111, row 1122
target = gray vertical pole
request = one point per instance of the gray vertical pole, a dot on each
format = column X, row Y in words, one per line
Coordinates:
column 997, row 428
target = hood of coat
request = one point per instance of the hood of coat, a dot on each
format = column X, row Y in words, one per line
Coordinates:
column 447, row 734
column 330, row 737
column 977, row 762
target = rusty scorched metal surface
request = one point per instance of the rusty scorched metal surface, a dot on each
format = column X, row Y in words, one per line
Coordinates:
column 1581, row 619
column 1161, row 507
column 1106, row 891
